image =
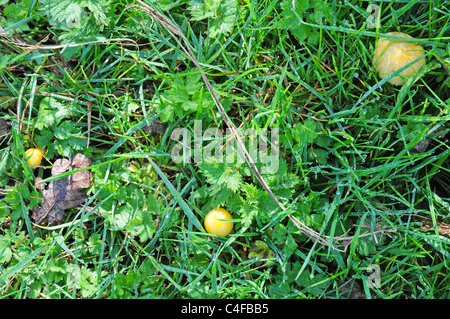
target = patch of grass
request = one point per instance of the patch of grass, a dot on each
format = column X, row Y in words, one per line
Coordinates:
column 363, row 171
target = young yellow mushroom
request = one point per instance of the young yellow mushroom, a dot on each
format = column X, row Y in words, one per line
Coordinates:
column 391, row 55
column 216, row 222
column 34, row 156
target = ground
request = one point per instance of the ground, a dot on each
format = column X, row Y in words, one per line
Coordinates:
column 141, row 110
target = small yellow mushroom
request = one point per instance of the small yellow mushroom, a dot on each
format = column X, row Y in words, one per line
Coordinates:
column 391, row 55
column 34, row 156
column 216, row 222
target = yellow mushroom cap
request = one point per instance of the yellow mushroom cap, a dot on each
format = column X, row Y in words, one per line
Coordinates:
column 34, row 156
column 391, row 55
column 216, row 222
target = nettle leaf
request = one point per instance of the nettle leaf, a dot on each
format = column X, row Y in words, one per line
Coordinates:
column 61, row 13
column 134, row 213
column 225, row 19
column 183, row 96
column 44, row 138
column 166, row 5
column 222, row 14
column 193, row 83
column 14, row 13
column 279, row 234
column 279, row 290
column 310, row 210
column 80, row 277
column 320, row 155
column 134, row 280
column 203, row 9
column 221, row 174
column 69, row 14
column 248, row 213
column 99, row 9
column 257, row 201
column 283, row 183
column 323, row 141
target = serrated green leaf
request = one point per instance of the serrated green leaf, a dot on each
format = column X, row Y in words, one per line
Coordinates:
column 166, row 5
column 220, row 174
column 15, row 14
column 279, row 290
column 279, row 234
column 69, row 13
column 11, row 271
column 323, row 141
column 183, row 97
column 320, row 155
column 51, row 111
column 222, row 14
column 99, row 8
column 203, row 9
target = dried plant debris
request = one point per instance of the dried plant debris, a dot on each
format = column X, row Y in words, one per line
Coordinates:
column 351, row 290
column 443, row 228
column 5, row 129
column 63, row 193
column 155, row 126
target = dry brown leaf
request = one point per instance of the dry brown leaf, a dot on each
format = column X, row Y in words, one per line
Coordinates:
column 443, row 228
column 63, row 193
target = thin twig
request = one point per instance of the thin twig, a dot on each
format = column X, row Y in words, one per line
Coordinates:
column 32, row 47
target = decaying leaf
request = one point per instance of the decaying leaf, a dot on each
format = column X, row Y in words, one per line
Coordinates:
column 63, row 193
column 443, row 228
column 260, row 251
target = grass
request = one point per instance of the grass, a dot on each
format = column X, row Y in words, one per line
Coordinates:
column 364, row 175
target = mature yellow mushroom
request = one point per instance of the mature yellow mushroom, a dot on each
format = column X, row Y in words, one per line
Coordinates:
column 218, row 222
column 391, row 55
column 34, row 156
